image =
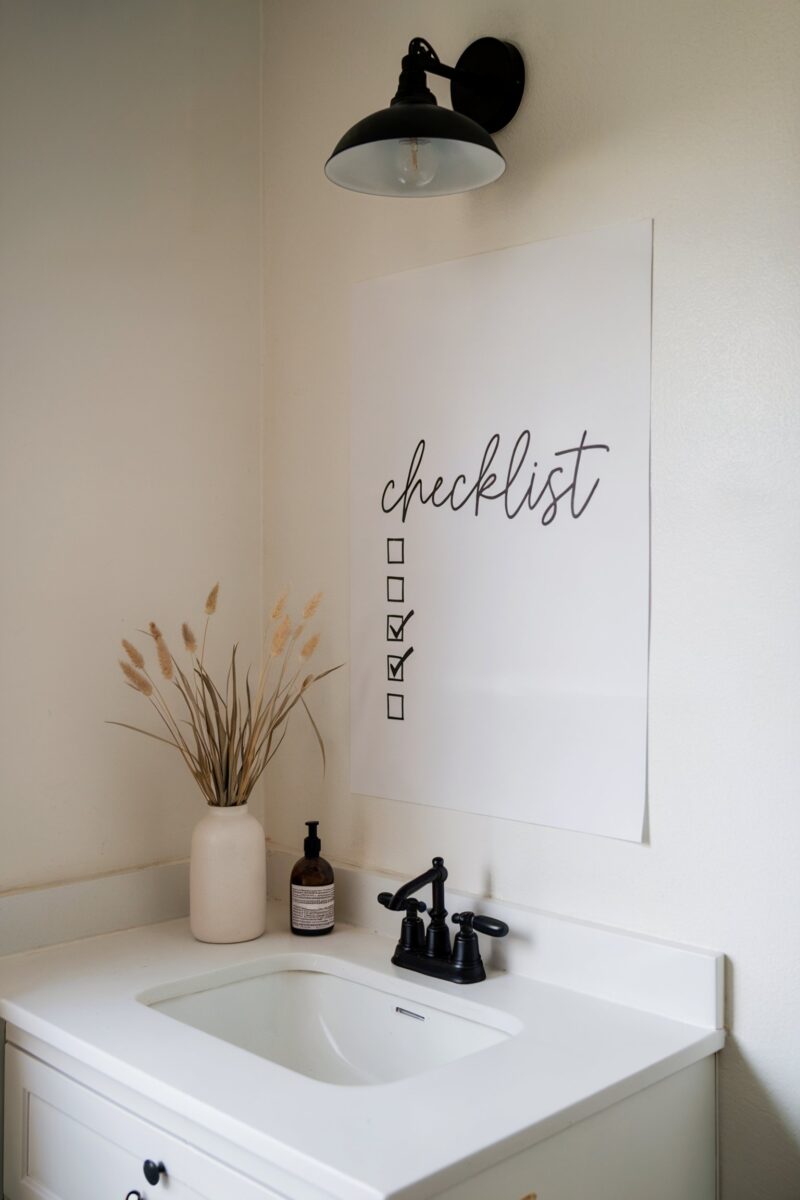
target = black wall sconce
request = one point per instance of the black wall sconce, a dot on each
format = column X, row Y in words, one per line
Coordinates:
column 416, row 148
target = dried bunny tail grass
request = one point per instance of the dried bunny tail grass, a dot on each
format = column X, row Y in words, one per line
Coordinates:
column 133, row 654
column 280, row 604
column 312, row 606
column 164, row 658
column 162, row 650
column 280, row 637
column 211, row 600
column 189, row 640
column 309, row 647
column 135, row 679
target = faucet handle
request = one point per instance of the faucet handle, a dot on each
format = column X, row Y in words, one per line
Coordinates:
column 490, row 925
column 412, row 905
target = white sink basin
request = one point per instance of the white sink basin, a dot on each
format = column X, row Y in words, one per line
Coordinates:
column 312, row 1016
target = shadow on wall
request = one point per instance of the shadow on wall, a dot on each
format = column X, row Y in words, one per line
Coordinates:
column 760, row 1152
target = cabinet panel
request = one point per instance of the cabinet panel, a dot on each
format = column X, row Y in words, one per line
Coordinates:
column 659, row 1144
column 66, row 1142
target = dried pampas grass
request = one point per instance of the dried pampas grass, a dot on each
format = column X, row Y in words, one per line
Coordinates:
column 135, row 679
column 309, row 647
column 312, row 606
column 133, row 654
column 227, row 736
column 279, row 606
column 280, row 637
column 211, row 600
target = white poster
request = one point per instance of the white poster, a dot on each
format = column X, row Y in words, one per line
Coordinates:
column 500, row 533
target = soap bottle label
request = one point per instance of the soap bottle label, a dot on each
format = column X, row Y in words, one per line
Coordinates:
column 312, row 907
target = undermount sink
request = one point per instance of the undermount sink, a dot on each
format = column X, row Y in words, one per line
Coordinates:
column 312, row 1016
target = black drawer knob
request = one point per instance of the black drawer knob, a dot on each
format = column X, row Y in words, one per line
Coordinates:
column 153, row 1171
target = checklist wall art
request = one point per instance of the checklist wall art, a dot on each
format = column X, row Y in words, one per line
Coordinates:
column 500, row 533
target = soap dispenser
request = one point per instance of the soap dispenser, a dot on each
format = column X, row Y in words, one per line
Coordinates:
column 312, row 889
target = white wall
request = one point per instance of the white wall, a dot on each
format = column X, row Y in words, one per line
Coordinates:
column 130, row 332
column 686, row 111
column 129, row 434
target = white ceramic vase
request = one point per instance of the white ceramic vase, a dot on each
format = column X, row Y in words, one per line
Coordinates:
column 228, row 876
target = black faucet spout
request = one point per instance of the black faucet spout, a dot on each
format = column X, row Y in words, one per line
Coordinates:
column 436, row 875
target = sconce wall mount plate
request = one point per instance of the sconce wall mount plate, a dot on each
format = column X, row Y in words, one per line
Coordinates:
column 414, row 147
column 500, row 64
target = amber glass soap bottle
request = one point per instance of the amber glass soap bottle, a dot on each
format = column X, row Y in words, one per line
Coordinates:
column 312, row 889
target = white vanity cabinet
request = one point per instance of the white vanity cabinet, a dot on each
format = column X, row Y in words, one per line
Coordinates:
column 65, row 1141
column 111, row 1062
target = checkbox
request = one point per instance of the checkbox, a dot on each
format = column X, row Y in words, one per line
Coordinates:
column 394, row 668
column 396, row 626
column 395, row 550
column 395, row 589
column 395, row 706
column 395, row 664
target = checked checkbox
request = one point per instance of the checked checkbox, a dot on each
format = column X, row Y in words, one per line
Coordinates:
column 396, row 625
column 395, row 664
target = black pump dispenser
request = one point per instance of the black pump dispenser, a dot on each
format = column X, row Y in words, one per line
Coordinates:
column 312, row 845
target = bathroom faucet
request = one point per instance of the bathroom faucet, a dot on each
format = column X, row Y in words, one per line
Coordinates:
column 437, row 939
column 430, row 952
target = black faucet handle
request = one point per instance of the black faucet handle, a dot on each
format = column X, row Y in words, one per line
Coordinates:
column 412, row 905
column 488, row 925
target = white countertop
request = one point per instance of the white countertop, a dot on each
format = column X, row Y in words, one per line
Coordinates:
column 576, row 1054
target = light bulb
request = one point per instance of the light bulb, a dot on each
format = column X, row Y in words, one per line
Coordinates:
column 416, row 162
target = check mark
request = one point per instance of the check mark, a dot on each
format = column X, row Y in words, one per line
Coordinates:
column 395, row 664
column 395, row 626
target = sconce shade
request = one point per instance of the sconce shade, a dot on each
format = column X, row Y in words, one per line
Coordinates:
column 415, row 150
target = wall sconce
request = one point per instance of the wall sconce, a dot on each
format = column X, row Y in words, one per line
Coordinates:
column 416, row 148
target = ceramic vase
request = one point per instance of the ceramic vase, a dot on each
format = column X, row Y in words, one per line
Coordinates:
column 228, row 876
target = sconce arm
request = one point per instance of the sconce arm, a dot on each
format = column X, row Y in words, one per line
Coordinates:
column 486, row 84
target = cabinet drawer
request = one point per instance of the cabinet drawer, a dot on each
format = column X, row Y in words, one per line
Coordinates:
column 64, row 1141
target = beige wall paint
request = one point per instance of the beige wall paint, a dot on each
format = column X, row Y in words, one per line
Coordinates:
column 685, row 111
column 130, row 414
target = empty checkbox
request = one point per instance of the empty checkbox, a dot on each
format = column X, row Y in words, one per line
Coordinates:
column 395, row 550
column 395, row 589
column 395, row 706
